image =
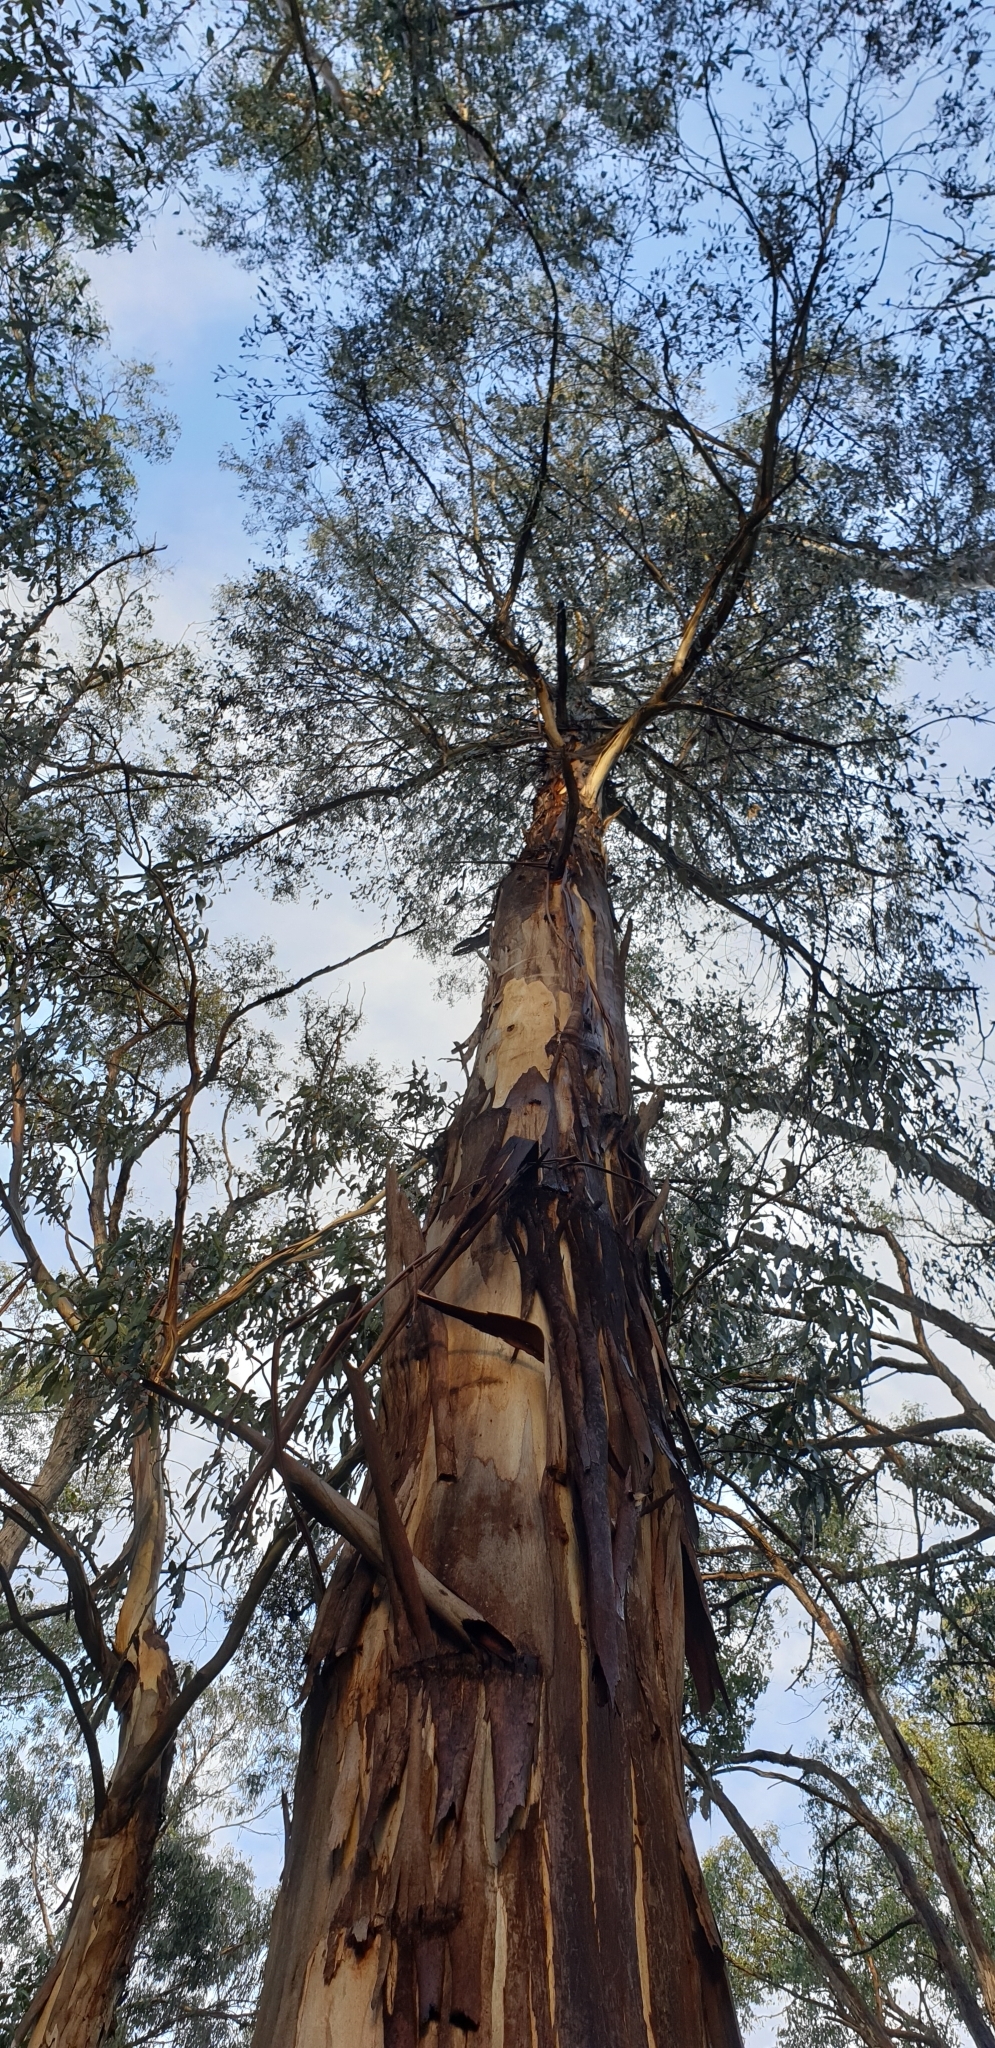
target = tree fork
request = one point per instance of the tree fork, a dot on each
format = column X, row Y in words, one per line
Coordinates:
column 492, row 1850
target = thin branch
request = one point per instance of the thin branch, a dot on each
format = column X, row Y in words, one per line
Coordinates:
column 85, row 1613
column 124, row 1788
column 840, row 1983
column 299, row 1250
column 69, row 1685
column 290, row 988
column 847, row 1650
column 45, row 1282
column 925, row 1912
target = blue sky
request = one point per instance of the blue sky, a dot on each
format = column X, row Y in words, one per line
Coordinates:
column 183, row 309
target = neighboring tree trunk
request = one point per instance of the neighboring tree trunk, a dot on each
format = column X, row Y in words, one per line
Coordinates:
column 503, row 1849
column 70, row 1443
column 75, row 2005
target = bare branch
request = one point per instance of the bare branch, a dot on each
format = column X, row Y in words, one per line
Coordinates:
column 840, row 1983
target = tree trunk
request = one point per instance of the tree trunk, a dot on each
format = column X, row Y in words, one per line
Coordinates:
column 502, row 1848
column 75, row 2005
column 70, row 1442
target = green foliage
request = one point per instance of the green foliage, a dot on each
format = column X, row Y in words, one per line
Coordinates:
column 71, row 423
column 849, row 1890
column 75, row 125
column 39, row 1826
column 81, row 151
column 195, row 1976
column 203, row 1938
column 763, row 1956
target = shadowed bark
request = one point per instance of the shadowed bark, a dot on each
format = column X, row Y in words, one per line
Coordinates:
column 502, row 1848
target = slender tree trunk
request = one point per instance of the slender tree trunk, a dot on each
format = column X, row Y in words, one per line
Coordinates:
column 502, row 1849
column 75, row 2005
column 70, row 1442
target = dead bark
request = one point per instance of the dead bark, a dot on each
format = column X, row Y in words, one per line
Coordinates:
column 502, row 1849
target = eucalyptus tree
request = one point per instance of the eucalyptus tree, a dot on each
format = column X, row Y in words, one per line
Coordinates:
column 633, row 442
column 203, row 1934
column 862, row 1899
column 118, row 1024
column 82, row 154
column 80, row 139
column 103, row 821
column 71, row 423
column 95, row 803
column 889, row 1912
column 809, row 1288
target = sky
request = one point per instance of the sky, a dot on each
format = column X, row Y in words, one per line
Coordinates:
column 183, row 309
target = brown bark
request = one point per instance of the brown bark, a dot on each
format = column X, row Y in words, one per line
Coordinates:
column 74, row 2006
column 502, row 1848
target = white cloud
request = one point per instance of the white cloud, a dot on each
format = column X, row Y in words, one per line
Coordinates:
column 167, row 295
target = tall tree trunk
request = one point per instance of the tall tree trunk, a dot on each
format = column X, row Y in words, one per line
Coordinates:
column 502, row 1849
column 75, row 2005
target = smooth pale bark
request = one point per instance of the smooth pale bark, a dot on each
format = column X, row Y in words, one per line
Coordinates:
column 492, row 1849
column 75, row 2005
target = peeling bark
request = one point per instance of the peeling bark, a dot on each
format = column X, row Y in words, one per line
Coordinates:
column 495, row 1850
